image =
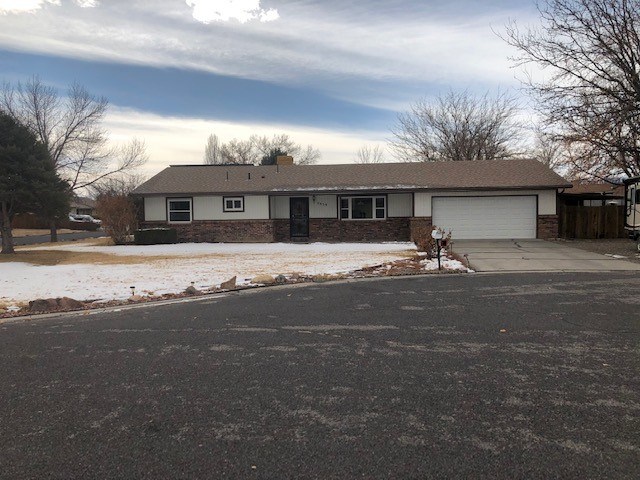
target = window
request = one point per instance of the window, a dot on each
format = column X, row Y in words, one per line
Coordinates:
column 179, row 210
column 363, row 208
column 233, row 204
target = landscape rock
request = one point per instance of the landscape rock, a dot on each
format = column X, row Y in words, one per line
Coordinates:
column 66, row 303
column 135, row 298
column 43, row 305
column 229, row 284
column 263, row 279
column 321, row 278
column 2, row 311
column 280, row 279
column 191, row 290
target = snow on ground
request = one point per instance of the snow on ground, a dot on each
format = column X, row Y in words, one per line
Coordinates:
column 204, row 265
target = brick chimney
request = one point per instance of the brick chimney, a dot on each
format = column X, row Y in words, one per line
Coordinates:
column 284, row 160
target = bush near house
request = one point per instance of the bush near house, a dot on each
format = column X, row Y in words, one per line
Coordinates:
column 118, row 215
column 154, row 236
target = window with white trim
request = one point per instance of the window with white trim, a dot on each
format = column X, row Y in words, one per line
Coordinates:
column 363, row 208
column 179, row 210
column 233, row 204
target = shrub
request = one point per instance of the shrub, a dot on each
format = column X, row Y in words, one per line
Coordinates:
column 425, row 242
column 154, row 236
column 118, row 215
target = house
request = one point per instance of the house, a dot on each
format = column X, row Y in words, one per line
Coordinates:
column 591, row 210
column 82, row 206
column 371, row 202
column 592, row 195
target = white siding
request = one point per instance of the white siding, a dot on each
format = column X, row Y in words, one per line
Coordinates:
column 279, row 206
column 400, row 205
column 323, row 206
column 320, row 206
column 546, row 199
column 155, row 209
column 256, row 207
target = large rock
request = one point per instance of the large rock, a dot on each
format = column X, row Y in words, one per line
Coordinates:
column 66, row 303
column 229, row 284
column 192, row 290
column 43, row 305
column 263, row 279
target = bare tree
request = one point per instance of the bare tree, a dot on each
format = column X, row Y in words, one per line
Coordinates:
column 368, row 154
column 240, row 152
column 256, row 148
column 212, row 151
column 590, row 90
column 282, row 142
column 70, row 128
column 458, row 126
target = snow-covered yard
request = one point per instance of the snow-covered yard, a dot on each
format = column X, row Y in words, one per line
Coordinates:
column 160, row 269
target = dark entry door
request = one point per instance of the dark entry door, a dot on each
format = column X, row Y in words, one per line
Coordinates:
column 299, row 215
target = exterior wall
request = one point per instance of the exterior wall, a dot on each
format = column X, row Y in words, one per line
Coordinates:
column 249, row 231
column 546, row 199
column 320, row 206
column 547, row 226
column 279, row 206
column 335, row 230
column 323, row 206
column 256, row 207
column 155, row 209
column 400, row 205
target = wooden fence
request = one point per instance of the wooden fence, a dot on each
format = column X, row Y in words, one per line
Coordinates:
column 591, row 222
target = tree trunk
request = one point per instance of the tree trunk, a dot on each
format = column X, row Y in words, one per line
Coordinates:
column 5, row 230
column 54, row 231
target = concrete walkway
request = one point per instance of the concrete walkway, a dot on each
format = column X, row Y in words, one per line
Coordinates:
column 535, row 256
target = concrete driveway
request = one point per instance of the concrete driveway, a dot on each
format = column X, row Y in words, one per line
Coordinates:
column 534, row 256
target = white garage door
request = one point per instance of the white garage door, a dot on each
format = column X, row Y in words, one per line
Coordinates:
column 486, row 217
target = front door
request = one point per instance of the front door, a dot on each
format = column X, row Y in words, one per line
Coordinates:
column 299, row 215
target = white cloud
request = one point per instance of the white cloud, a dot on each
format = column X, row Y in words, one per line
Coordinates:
column 178, row 140
column 24, row 6
column 32, row 6
column 207, row 11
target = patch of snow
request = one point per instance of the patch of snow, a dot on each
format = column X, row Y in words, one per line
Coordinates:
column 206, row 265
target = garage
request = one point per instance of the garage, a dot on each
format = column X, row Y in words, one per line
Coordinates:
column 486, row 217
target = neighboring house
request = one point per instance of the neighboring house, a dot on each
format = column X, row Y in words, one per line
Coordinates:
column 370, row 202
column 591, row 210
column 592, row 195
column 83, row 206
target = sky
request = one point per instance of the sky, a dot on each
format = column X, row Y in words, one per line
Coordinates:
column 329, row 73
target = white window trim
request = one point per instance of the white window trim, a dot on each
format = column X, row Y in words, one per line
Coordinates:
column 373, row 199
column 233, row 209
column 169, row 200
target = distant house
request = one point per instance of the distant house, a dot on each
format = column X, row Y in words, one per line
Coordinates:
column 339, row 203
column 592, row 195
column 83, row 206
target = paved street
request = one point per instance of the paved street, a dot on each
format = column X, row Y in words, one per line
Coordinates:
column 453, row 376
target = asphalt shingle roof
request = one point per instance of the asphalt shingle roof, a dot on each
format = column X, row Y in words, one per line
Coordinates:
column 218, row 179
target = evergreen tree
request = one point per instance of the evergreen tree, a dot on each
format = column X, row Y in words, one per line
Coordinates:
column 28, row 179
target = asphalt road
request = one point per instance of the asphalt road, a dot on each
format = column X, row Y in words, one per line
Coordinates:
column 62, row 237
column 476, row 376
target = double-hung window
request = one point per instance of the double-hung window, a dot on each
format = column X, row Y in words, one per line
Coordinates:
column 233, row 204
column 363, row 208
column 179, row 210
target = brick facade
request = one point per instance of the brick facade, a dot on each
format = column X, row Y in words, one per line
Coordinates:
column 256, row 231
column 336, row 230
column 320, row 230
column 547, row 226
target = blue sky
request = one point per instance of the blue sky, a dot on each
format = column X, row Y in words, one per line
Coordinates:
column 331, row 73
